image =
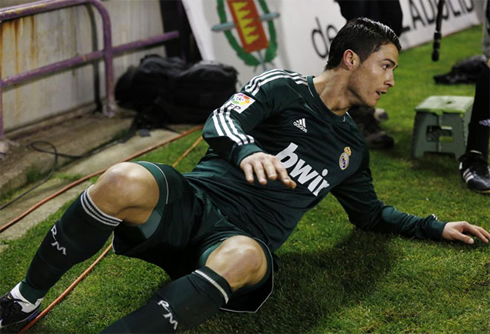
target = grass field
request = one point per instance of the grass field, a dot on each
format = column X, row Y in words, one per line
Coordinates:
column 333, row 278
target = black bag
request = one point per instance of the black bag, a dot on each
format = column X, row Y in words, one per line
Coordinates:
column 464, row 71
column 169, row 91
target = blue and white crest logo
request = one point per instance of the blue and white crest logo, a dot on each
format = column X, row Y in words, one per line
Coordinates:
column 343, row 161
column 344, row 158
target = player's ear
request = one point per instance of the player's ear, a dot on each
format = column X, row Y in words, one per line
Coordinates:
column 350, row 59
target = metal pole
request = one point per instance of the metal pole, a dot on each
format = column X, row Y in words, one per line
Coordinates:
column 437, row 33
column 87, row 58
column 1, row 104
column 110, row 106
column 37, row 7
column 107, row 53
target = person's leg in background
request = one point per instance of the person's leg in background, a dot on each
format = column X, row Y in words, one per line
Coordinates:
column 473, row 166
column 390, row 13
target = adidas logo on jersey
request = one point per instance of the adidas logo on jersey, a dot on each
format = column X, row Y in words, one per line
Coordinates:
column 301, row 124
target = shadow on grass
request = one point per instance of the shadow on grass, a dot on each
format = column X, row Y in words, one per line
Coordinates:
column 433, row 163
column 313, row 285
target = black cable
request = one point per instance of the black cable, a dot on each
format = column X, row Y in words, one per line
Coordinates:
column 55, row 163
column 54, row 152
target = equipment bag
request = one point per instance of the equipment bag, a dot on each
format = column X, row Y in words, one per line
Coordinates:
column 169, row 91
column 465, row 71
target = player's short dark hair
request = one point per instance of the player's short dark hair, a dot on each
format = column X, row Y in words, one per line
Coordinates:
column 363, row 36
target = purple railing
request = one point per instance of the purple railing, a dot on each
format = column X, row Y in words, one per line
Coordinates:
column 107, row 53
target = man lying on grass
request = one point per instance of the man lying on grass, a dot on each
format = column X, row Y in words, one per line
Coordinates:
column 277, row 149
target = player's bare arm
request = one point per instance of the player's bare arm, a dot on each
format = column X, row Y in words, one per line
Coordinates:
column 265, row 166
column 462, row 231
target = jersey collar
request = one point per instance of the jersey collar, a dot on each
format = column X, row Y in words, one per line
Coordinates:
column 327, row 113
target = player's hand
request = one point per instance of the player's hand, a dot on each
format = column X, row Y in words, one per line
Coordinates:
column 265, row 166
column 463, row 231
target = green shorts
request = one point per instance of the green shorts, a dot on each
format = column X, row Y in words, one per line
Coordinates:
column 181, row 233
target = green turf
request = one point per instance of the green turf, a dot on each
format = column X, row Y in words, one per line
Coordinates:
column 333, row 278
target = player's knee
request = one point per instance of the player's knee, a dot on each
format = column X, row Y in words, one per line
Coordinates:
column 122, row 185
column 251, row 263
column 240, row 260
column 251, row 257
column 116, row 180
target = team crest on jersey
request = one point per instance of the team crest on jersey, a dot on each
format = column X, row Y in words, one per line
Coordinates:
column 344, row 158
column 239, row 102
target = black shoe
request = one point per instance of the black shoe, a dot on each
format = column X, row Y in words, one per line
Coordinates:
column 11, row 311
column 475, row 172
column 367, row 121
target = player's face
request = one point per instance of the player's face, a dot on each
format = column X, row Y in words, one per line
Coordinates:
column 374, row 76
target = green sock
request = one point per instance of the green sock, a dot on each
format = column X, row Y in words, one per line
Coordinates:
column 77, row 236
column 180, row 305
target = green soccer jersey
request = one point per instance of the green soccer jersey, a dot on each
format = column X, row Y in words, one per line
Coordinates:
column 280, row 113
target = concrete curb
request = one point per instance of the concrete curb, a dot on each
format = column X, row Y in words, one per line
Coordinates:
column 99, row 161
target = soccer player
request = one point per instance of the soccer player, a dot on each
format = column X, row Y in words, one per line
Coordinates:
column 277, row 149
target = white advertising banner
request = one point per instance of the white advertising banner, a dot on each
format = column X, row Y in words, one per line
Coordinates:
column 419, row 19
column 296, row 34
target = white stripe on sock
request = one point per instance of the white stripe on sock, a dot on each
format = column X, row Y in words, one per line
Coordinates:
column 93, row 211
column 213, row 282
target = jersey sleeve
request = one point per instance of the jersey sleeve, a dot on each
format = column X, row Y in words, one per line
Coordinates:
column 227, row 129
column 366, row 211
